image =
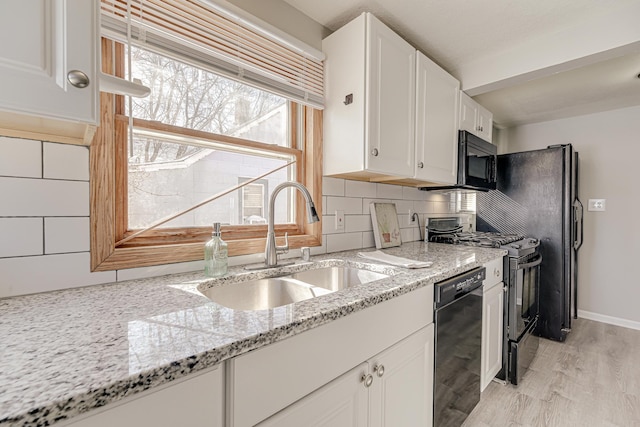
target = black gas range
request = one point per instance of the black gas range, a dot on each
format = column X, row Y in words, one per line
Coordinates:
column 515, row 244
column 450, row 230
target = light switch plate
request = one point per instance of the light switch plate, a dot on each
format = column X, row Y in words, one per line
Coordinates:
column 339, row 220
column 597, row 205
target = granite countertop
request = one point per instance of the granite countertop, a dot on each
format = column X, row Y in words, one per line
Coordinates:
column 66, row 352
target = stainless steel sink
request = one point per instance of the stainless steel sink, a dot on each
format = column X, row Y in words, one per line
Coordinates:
column 336, row 278
column 262, row 294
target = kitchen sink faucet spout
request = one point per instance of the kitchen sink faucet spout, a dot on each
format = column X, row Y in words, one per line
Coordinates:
column 272, row 250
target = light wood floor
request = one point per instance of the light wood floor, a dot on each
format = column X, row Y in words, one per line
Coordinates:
column 591, row 380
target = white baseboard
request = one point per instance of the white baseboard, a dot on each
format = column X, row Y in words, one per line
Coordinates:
column 625, row 323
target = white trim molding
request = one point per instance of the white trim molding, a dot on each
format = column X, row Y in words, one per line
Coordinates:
column 625, row 323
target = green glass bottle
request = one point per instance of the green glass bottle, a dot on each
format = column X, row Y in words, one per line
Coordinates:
column 216, row 254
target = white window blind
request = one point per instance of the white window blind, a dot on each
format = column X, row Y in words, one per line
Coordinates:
column 201, row 33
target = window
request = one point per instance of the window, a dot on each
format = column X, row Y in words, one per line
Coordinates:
column 199, row 133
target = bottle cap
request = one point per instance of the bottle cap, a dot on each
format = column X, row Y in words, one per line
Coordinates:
column 216, row 229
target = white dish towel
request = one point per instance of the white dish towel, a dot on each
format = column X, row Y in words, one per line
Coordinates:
column 395, row 260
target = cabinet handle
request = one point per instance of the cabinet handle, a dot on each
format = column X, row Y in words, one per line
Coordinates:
column 367, row 380
column 379, row 370
column 420, row 165
column 374, row 152
column 78, row 79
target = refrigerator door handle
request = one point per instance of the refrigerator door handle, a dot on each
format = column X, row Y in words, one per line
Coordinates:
column 579, row 224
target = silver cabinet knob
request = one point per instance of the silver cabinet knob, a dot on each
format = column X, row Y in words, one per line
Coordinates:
column 374, row 152
column 367, row 380
column 379, row 370
column 78, row 79
column 420, row 165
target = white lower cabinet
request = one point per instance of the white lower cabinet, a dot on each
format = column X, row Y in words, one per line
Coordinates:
column 195, row 401
column 492, row 323
column 342, row 402
column 401, row 394
column 389, row 344
column 393, row 388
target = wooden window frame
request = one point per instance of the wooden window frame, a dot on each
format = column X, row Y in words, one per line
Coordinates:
column 108, row 206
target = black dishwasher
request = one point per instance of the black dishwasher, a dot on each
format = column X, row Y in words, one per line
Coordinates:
column 458, row 340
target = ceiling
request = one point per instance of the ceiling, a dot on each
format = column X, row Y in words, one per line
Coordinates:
column 526, row 61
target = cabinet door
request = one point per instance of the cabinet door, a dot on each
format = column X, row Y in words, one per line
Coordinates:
column 437, row 94
column 484, row 123
column 341, row 403
column 391, row 88
column 492, row 325
column 43, row 40
column 402, row 389
column 468, row 112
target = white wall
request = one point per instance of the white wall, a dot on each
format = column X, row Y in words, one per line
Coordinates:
column 609, row 147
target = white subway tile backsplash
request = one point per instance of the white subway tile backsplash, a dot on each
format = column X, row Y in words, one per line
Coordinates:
column 358, row 223
column 360, row 189
column 406, row 234
column 412, row 193
column 411, row 234
column 28, row 275
column 20, row 237
column 403, row 221
column 20, row 157
column 332, row 186
column 366, row 204
column 388, row 191
column 324, row 205
column 329, row 225
column 368, row 241
column 422, row 206
column 43, row 197
column 403, row 206
column 441, row 207
column 343, row 242
column 64, row 161
column 63, row 235
column 350, row 205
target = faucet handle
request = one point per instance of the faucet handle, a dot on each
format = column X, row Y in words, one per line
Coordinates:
column 283, row 249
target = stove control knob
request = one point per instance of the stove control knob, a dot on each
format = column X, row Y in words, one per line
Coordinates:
column 515, row 246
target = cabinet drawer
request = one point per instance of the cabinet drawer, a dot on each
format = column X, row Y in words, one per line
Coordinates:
column 494, row 273
column 263, row 382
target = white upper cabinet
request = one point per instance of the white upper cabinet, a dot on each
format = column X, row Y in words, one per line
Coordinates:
column 48, row 61
column 370, row 100
column 475, row 118
column 437, row 95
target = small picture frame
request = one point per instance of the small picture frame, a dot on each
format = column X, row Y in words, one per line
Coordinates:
column 386, row 229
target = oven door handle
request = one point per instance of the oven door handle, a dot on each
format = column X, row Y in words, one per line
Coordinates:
column 449, row 231
column 531, row 264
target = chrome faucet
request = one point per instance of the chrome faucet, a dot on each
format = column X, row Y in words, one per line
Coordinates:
column 271, row 250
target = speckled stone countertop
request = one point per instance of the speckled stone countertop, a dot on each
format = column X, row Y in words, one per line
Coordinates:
column 63, row 353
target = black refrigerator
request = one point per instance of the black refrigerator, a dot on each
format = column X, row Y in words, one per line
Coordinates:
column 537, row 196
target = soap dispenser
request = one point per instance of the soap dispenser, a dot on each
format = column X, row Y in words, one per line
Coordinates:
column 215, row 254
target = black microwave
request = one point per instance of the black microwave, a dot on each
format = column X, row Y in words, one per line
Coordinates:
column 477, row 162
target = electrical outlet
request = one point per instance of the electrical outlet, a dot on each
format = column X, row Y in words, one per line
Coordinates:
column 339, row 220
column 411, row 220
column 597, row 205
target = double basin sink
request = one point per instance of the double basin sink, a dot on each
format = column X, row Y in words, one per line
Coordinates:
column 262, row 294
